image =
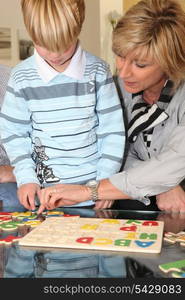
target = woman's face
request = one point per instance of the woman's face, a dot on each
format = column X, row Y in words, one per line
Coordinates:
column 140, row 75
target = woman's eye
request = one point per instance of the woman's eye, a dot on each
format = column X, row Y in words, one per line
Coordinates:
column 140, row 65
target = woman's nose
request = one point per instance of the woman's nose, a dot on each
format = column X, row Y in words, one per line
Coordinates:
column 125, row 70
column 123, row 66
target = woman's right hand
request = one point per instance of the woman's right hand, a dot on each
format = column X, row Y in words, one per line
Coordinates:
column 62, row 195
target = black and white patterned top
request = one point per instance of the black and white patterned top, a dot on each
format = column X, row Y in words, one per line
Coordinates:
column 145, row 117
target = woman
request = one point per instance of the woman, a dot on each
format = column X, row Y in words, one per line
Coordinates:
column 149, row 43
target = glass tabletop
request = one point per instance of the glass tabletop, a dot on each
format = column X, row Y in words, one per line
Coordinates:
column 34, row 262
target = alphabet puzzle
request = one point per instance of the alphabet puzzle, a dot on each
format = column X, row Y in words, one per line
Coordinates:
column 98, row 234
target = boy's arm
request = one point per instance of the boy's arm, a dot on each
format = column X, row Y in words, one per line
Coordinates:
column 15, row 132
column 111, row 130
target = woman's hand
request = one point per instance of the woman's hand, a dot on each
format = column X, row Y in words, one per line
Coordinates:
column 63, row 195
column 172, row 201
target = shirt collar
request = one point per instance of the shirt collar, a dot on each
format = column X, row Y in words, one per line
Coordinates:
column 75, row 69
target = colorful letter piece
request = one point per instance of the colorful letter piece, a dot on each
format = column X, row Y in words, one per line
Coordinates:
column 144, row 244
column 129, row 228
column 173, row 238
column 178, row 274
column 9, row 239
column 5, row 218
column 84, row 240
column 54, row 213
column 177, row 266
column 69, row 216
column 2, row 214
column 33, row 223
column 150, row 223
column 21, row 214
column 10, row 225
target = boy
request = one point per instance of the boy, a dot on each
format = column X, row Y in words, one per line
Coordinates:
column 61, row 119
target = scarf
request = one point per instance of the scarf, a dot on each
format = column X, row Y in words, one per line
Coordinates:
column 145, row 116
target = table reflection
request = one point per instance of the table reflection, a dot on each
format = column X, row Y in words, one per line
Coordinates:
column 173, row 222
column 33, row 262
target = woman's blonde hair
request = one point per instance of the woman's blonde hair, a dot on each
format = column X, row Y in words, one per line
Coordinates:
column 53, row 24
column 154, row 28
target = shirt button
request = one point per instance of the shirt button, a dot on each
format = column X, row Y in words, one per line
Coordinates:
column 155, row 149
column 162, row 124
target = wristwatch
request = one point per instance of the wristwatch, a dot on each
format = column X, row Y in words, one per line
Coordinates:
column 93, row 185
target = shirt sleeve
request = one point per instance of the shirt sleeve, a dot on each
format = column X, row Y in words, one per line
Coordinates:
column 110, row 130
column 132, row 159
column 158, row 174
column 15, row 132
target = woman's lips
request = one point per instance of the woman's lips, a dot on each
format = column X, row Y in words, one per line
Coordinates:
column 129, row 83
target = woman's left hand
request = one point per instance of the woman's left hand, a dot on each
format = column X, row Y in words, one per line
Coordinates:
column 172, row 200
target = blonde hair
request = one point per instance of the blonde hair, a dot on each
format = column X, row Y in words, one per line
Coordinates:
column 53, row 24
column 156, row 29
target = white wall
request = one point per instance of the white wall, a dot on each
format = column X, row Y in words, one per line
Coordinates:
column 96, row 35
column 90, row 35
column 107, row 6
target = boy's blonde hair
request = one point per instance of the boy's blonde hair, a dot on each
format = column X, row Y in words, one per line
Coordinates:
column 155, row 29
column 53, row 24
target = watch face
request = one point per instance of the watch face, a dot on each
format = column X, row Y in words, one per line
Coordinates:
column 92, row 183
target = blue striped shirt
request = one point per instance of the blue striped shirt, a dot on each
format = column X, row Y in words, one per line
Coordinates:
column 70, row 130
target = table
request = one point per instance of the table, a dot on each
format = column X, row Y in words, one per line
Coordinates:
column 33, row 262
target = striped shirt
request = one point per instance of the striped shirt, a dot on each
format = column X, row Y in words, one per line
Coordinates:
column 63, row 129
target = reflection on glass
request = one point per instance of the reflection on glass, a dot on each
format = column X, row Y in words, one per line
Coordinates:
column 26, row 263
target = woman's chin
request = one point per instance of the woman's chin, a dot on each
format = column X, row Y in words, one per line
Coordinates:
column 131, row 89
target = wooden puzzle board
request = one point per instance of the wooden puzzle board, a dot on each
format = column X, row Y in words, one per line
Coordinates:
column 98, row 234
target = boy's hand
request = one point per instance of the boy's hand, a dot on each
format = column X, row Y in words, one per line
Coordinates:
column 27, row 193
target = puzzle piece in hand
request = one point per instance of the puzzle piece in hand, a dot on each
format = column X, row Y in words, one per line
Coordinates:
column 97, row 234
column 177, row 266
